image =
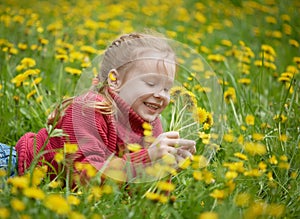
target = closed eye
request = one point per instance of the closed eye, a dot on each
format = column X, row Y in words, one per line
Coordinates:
column 149, row 83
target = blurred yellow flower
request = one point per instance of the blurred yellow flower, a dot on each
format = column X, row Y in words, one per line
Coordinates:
column 241, row 156
column 231, row 174
column 4, row 212
column 35, row 193
column 228, row 137
column 218, row 194
column 17, row 205
column 250, row 119
column 73, row 200
column 19, row 181
column 208, row 215
column 255, row 148
column 76, row 215
column 28, row 62
column 70, row 148
column 73, row 71
column 59, row 156
column 134, row 147
column 258, row 136
column 242, row 199
column 273, row 160
column 57, row 203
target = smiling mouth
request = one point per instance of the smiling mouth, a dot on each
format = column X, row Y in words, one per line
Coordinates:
column 152, row 106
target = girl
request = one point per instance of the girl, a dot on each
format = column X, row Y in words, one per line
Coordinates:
column 129, row 93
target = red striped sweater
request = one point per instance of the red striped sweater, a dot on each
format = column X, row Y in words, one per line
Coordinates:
column 98, row 135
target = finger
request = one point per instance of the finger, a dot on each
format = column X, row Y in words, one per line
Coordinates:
column 180, row 142
column 179, row 159
column 172, row 134
column 183, row 153
column 191, row 149
column 171, row 150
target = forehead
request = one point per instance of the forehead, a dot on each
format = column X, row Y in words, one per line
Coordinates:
column 158, row 65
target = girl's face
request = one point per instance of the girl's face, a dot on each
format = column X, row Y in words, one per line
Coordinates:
column 146, row 87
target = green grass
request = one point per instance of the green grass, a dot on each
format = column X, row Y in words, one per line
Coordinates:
column 265, row 185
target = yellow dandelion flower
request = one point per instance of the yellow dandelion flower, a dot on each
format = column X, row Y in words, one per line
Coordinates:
column 189, row 99
column 284, row 165
column 253, row 173
column 134, row 147
column 280, row 118
column 241, row 156
column 62, row 57
column 57, row 203
column 230, row 94
column 294, row 175
column 270, row 175
column 283, row 158
column 59, row 157
column 163, row 199
column 255, row 148
column 273, row 160
column 262, row 166
column 258, row 136
column 35, row 193
column 184, row 164
column 55, row 184
column 199, row 161
column 73, row 200
column 31, row 72
column 88, row 49
column 38, row 174
column 243, row 199
column 235, row 166
column 152, row 196
column 19, row 181
column 294, row 43
column 165, row 186
column 208, row 215
column 275, row 210
column 73, row 71
column 107, row 189
column 19, row 79
column 76, row 215
column 231, row 175
column 216, row 57
column 4, row 212
column 39, row 99
column 228, row 137
column 244, row 81
column 209, row 120
column 30, row 94
column 17, row 204
column 283, row 138
column 218, row 194
column 200, row 115
column 36, row 81
column 250, row 119
column 226, row 43
column 28, row 62
column 70, row 148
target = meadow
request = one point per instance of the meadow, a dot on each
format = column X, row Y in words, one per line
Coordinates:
column 247, row 115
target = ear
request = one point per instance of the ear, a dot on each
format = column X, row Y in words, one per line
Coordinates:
column 113, row 79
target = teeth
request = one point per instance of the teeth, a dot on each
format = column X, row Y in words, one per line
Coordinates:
column 151, row 106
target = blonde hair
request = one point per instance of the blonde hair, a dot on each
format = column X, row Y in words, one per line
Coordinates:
column 121, row 55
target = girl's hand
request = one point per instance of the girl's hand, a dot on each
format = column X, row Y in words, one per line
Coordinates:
column 167, row 143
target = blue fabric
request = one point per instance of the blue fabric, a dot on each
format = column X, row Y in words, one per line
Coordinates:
column 8, row 159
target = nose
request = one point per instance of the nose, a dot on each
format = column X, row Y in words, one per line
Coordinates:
column 162, row 93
